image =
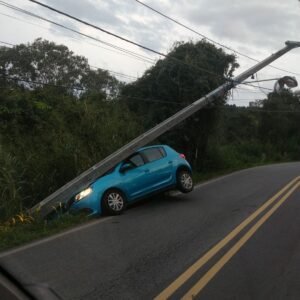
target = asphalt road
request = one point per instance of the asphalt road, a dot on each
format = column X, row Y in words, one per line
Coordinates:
column 236, row 237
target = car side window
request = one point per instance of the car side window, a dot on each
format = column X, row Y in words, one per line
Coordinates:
column 136, row 160
column 153, row 154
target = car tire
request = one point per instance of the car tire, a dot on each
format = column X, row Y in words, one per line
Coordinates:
column 113, row 202
column 185, row 182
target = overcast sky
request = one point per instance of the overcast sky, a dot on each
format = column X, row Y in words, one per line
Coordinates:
column 256, row 28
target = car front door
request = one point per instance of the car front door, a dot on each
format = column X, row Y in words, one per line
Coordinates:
column 135, row 179
column 160, row 167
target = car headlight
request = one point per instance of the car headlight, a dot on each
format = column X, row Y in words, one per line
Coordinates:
column 83, row 194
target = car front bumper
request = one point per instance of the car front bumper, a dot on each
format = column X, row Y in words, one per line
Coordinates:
column 90, row 204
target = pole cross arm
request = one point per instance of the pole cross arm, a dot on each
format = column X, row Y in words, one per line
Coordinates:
column 82, row 181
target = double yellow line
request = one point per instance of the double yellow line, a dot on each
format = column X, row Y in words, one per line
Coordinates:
column 184, row 277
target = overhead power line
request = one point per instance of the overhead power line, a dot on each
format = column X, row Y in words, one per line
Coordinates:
column 21, row 20
column 144, row 99
column 97, row 27
column 94, row 26
column 41, row 83
column 260, row 110
column 134, row 77
column 129, row 52
column 96, row 39
column 78, row 88
column 226, row 108
column 247, row 90
column 95, row 67
column 86, row 89
column 204, row 36
column 264, row 88
column 258, row 84
column 106, row 43
column 262, row 80
column 16, row 79
column 96, row 45
column 133, row 97
column 125, row 39
column 117, row 73
column 243, row 99
column 5, row 43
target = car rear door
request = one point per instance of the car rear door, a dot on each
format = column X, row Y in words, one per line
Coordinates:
column 160, row 167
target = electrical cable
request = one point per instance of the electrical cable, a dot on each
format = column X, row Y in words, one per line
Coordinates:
column 247, row 90
column 261, row 80
column 147, row 100
column 110, row 71
column 134, row 77
column 123, row 39
column 108, row 49
column 5, row 43
column 117, row 73
column 205, row 37
column 41, row 83
column 264, row 88
column 97, row 27
column 10, row 6
column 257, row 81
column 134, row 54
column 80, row 89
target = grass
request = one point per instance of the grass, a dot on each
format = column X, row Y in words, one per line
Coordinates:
column 12, row 235
column 19, row 232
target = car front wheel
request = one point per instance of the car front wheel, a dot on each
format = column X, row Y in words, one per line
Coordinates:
column 185, row 181
column 113, row 202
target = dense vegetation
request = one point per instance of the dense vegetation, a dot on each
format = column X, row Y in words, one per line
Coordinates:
column 246, row 136
column 58, row 117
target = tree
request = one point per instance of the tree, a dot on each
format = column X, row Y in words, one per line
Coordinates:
column 44, row 61
column 52, row 64
column 175, row 82
column 280, row 124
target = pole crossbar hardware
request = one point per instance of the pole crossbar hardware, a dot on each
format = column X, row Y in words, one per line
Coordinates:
column 82, row 181
column 290, row 82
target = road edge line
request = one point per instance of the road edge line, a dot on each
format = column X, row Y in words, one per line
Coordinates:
column 52, row 237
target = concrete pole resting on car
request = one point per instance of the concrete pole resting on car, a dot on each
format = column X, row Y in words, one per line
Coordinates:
column 86, row 178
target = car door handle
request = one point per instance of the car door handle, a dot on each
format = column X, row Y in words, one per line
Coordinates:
column 146, row 170
column 170, row 162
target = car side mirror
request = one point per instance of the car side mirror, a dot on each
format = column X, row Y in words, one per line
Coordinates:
column 125, row 167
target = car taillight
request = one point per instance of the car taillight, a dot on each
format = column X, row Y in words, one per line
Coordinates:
column 182, row 155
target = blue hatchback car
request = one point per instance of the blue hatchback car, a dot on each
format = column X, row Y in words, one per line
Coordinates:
column 149, row 170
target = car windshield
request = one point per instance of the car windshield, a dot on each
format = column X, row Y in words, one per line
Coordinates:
column 150, row 149
column 111, row 170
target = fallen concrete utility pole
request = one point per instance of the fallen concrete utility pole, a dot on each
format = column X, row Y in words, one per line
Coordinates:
column 84, row 179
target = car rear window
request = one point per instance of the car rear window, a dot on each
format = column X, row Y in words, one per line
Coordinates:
column 153, row 154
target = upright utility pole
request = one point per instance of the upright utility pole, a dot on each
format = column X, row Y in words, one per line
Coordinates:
column 84, row 179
